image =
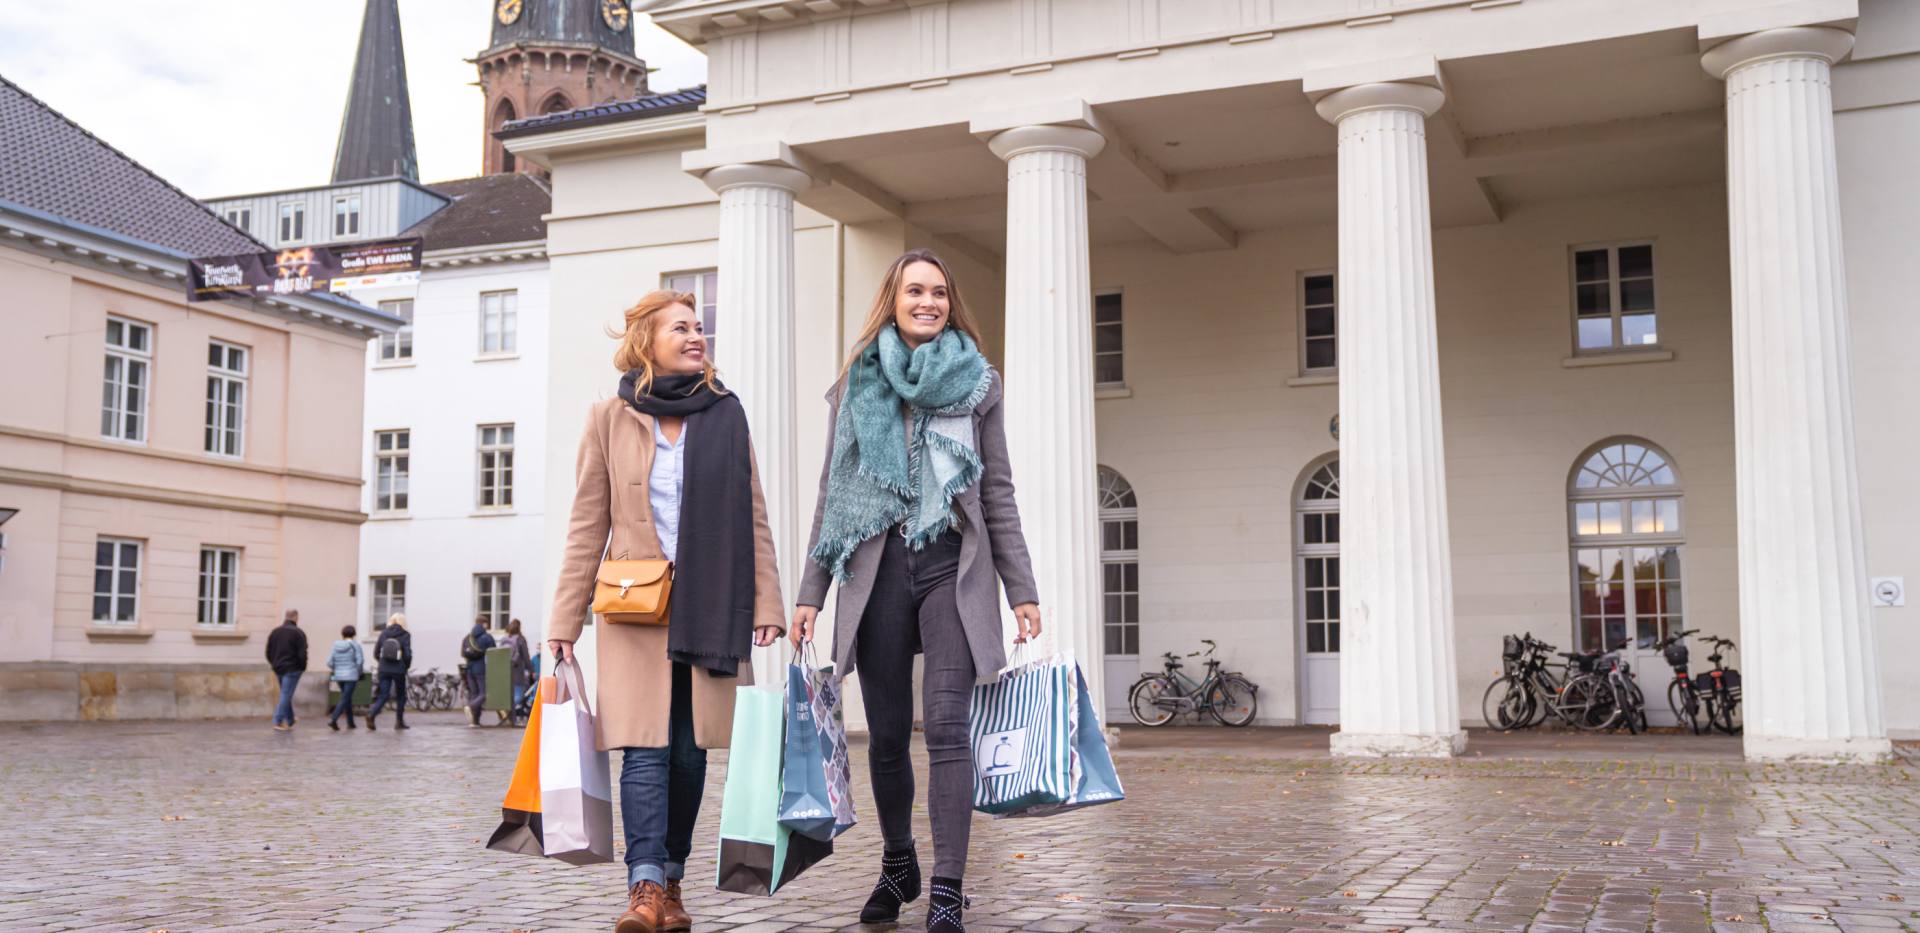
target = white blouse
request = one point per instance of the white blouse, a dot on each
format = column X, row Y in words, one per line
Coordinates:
column 664, row 486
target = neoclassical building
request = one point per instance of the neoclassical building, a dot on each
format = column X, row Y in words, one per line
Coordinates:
column 1350, row 334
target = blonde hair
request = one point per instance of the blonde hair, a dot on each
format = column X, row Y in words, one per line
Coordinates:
column 882, row 313
column 636, row 338
column 397, row 619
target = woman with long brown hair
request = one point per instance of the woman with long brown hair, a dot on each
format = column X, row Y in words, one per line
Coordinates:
column 666, row 472
column 916, row 521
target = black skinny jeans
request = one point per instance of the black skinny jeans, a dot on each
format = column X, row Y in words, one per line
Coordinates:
column 913, row 610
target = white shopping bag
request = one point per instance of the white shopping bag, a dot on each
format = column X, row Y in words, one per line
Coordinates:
column 576, row 797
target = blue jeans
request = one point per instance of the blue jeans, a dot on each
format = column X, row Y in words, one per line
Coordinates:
column 660, row 790
column 345, row 706
column 390, row 687
column 284, row 712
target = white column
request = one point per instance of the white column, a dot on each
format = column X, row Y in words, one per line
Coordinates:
column 1049, row 380
column 756, row 346
column 1398, row 687
column 1812, row 684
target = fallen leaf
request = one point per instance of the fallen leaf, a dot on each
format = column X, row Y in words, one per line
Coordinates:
column 1735, row 918
column 1895, row 897
column 1613, row 842
column 1021, row 855
column 1671, row 800
column 1276, row 910
column 1068, row 897
column 1350, row 894
column 1697, row 891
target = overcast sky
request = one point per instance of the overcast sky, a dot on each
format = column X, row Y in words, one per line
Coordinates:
column 236, row 96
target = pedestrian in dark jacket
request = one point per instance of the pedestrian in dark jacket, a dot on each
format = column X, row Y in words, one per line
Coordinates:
column 522, row 661
column 287, row 655
column 394, row 653
column 347, row 662
column 474, row 649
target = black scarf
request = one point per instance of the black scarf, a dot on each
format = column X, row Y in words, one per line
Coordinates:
column 710, row 618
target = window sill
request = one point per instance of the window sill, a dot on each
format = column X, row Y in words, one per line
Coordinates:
column 490, row 513
column 1618, row 358
column 1315, row 379
column 98, row 632
column 212, row 634
column 388, row 517
column 495, row 357
column 394, row 364
column 1106, row 392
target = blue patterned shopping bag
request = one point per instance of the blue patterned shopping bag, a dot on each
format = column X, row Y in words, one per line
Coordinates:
column 1037, row 744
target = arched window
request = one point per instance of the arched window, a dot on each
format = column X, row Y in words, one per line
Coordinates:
column 1316, row 574
column 1120, row 564
column 1623, row 506
column 502, row 115
column 556, row 104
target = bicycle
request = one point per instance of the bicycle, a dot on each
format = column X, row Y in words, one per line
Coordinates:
column 420, row 689
column 1531, row 688
column 1609, row 688
column 1683, row 694
column 1156, row 698
column 1722, row 696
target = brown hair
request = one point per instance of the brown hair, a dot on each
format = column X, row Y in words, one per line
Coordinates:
column 883, row 304
column 636, row 338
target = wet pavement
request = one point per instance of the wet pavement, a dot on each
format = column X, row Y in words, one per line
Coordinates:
column 209, row 826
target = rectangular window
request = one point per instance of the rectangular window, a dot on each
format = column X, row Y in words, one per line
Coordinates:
column 116, row 581
column 398, row 345
column 226, row 398
column 385, row 597
column 219, row 585
column 241, row 217
column 390, row 468
column 704, row 286
column 1109, row 363
column 1613, row 298
column 492, row 598
column 496, row 466
column 499, row 322
column 346, row 215
column 1318, row 323
column 1120, row 592
column 293, row 222
column 123, row 402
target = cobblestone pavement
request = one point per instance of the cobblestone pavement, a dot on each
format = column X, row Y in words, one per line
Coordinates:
column 203, row 826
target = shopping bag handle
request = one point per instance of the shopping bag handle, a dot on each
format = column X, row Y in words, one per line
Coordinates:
column 809, row 657
column 570, row 684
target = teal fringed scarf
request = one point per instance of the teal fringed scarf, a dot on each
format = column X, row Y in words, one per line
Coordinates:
column 879, row 477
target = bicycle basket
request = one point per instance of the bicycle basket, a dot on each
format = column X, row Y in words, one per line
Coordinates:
column 1676, row 654
column 1510, row 647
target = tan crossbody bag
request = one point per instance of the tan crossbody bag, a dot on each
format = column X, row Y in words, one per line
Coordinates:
column 633, row 591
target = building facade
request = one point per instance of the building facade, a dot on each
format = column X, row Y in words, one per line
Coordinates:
column 1353, row 334
column 170, row 480
column 551, row 56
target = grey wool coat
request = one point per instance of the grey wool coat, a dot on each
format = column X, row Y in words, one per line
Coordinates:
column 992, row 549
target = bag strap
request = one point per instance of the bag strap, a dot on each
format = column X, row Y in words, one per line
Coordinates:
column 570, row 684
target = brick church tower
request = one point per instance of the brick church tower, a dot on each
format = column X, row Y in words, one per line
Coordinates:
column 552, row 55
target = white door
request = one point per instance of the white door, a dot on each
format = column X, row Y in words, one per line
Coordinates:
column 1317, row 593
column 1120, row 590
column 1625, row 502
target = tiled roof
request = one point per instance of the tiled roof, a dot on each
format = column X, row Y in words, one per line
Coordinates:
column 506, row 208
column 639, row 108
column 52, row 165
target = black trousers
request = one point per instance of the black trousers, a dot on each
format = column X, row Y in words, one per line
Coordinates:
column 390, row 687
column 913, row 611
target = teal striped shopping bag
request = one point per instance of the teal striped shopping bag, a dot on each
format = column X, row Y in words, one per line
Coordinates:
column 1037, row 744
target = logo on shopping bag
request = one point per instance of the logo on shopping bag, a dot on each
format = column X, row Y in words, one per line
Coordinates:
column 1000, row 753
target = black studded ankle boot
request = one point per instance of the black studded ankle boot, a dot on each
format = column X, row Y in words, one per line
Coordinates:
column 946, row 906
column 899, row 884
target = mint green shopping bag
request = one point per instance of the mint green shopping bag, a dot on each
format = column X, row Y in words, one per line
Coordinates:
column 757, row 854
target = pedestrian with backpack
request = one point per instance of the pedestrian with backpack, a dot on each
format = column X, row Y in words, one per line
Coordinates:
column 474, row 649
column 346, row 662
column 393, row 652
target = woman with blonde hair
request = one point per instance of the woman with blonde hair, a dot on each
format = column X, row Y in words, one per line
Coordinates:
column 916, row 521
column 666, row 472
column 392, row 657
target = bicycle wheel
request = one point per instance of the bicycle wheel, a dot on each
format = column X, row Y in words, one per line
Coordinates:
column 1685, row 704
column 1232, row 700
column 1507, row 704
column 1724, row 711
column 1143, row 701
column 1587, row 703
column 1631, row 705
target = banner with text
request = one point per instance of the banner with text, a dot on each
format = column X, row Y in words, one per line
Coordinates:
column 298, row 270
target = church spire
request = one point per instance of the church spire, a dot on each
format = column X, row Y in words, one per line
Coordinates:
column 376, row 132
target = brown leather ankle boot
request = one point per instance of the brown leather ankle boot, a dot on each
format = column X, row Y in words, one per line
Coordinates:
column 644, row 903
column 673, row 914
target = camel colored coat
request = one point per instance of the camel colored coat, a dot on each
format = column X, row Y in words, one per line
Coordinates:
column 635, row 677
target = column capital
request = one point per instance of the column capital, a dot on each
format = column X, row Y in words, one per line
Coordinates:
column 1047, row 137
column 1821, row 43
column 758, row 174
column 1398, row 84
column 1391, row 95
